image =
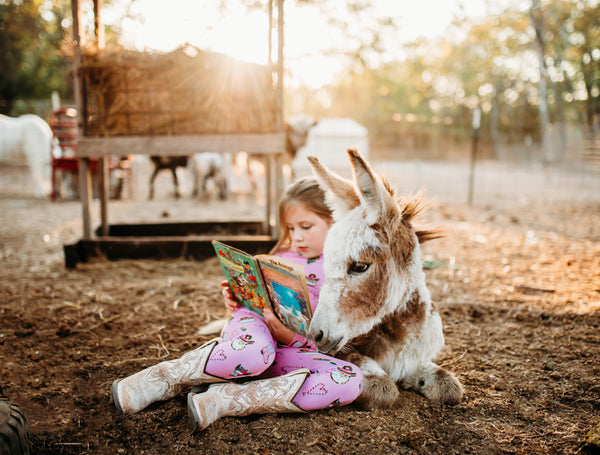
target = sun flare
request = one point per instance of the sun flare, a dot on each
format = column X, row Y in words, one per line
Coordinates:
column 240, row 34
column 312, row 47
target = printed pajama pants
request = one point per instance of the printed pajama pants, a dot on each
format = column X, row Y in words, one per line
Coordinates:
column 247, row 349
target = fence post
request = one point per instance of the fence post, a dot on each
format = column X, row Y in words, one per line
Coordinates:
column 476, row 125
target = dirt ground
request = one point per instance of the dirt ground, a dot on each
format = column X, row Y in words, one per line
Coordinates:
column 517, row 280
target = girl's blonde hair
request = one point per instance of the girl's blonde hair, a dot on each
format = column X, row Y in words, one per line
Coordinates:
column 304, row 191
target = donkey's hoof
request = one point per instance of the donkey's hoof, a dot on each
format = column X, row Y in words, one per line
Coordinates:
column 445, row 389
column 379, row 392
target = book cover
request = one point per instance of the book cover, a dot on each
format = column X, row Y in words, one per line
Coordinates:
column 244, row 277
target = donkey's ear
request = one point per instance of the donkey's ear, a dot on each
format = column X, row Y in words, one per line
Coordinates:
column 375, row 197
column 340, row 193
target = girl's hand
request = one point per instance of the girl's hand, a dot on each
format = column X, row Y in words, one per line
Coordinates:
column 277, row 329
column 230, row 304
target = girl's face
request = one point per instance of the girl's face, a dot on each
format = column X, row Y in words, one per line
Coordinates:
column 307, row 230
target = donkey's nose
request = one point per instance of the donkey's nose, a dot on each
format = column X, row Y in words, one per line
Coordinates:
column 318, row 336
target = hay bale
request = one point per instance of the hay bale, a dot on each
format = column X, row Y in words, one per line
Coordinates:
column 187, row 91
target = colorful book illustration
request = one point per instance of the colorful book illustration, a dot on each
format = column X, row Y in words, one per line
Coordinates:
column 267, row 281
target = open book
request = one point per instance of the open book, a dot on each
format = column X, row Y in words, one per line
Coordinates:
column 266, row 281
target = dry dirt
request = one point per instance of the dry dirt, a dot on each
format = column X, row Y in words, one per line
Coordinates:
column 517, row 280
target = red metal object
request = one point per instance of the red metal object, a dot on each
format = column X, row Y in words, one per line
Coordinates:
column 63, row 122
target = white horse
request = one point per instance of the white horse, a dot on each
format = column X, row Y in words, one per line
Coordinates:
column 30, row 137
column 375, row 309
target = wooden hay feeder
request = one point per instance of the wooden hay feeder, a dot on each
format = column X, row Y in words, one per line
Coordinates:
column 178, row 103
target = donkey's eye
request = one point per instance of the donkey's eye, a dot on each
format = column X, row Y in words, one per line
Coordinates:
column 356, row 268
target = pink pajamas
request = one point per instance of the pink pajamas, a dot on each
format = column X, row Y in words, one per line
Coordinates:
column 247, row 348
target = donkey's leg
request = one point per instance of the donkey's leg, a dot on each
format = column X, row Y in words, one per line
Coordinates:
column 379, row 390
column 436, row 383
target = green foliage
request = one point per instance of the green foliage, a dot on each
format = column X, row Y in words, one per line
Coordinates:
column 493, row 65
column 31, row 57
column 572, row 55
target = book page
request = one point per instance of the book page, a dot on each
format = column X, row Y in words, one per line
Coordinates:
column 286, row 284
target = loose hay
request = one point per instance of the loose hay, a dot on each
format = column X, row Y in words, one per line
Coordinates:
column 528, row 360
column 187, row 91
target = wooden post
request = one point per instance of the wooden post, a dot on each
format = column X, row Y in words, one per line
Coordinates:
column 77, row 43
column 85, row 193
column 270, row 35
column 268, row 193
column 280, row 62
column 99, row 36
column 278, row 193
column 278, row 163
column 103, row 162
column 103, row 173
column 476, row 125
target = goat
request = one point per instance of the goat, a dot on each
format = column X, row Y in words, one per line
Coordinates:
column 167, row 162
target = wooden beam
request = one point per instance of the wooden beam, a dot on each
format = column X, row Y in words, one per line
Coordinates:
column 196, row 247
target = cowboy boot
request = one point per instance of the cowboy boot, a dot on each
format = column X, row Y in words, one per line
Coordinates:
column 262, row 396
column 163, row 381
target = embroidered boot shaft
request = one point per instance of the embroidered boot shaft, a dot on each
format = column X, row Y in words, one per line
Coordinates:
column 262, row 396
column 163, row 381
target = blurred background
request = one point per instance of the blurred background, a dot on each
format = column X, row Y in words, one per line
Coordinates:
column 412, row 73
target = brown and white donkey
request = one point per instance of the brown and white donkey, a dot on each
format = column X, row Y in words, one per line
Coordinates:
column 375, row 309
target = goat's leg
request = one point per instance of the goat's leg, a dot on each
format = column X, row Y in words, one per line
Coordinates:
column 175, row 182
column 194, row 172
column 205, row 178
column 195, row 176
column 152, row 177
column 222, row 185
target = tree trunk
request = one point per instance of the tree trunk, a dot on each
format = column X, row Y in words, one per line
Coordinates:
column 543, row 107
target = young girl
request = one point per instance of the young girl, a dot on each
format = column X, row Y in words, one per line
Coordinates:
column 292, row 376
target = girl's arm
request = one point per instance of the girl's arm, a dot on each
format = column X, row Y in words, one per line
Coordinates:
column 230, row 304
column 300, row 342
column 279, row 331
column 285, row 335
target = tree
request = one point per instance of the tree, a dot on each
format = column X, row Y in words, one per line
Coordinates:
column 539, row 27
column 35, row 50
column 572, row 55
column 31, row 42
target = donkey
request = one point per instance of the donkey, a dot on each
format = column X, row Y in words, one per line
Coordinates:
column 374, row 308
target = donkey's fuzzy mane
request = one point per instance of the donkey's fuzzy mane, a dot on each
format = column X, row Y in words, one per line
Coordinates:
column 411, row 208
